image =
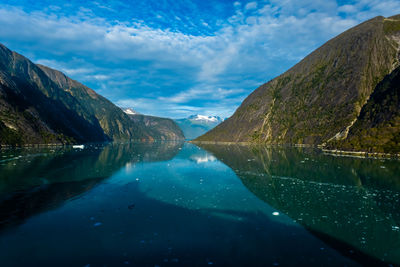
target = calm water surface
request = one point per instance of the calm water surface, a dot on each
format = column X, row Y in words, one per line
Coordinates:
column 175, row 204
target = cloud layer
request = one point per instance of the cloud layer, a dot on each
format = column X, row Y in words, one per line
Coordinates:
column 162, row 62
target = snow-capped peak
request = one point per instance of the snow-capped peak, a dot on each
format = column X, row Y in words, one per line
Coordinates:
column 205, row 118
column 129, row 111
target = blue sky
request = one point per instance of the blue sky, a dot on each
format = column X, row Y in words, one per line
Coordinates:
column 175, row 58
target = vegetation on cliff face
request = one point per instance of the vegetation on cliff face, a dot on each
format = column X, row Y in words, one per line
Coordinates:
column 377, row 128
column 320, row 98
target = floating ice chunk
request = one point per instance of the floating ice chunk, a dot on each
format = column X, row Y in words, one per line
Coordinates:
column 275, row 213
column 78, row 146
column 395, row 228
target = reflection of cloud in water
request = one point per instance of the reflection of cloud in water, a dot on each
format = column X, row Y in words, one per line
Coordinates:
column 203, row 159
column 129, row 167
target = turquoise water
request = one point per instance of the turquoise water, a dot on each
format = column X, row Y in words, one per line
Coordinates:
column 171, row 204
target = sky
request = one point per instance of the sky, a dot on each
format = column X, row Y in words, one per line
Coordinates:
column 175, row 58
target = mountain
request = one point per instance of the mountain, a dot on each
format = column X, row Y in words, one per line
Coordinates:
column 41, row 105
column 196, row 125
column 33, row 109
column 156, row 128
column 115, row 124
column 320, row 99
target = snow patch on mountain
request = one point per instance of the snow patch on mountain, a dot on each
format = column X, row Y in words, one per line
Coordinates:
column 130, row 111
column 205, row 118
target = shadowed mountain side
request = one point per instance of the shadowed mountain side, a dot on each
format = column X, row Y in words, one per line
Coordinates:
column 337, row 200
column 319, row 98
column 36, row 183
column 33, row 109
column 113, row 120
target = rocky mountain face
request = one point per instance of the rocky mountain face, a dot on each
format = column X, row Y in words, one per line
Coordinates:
column 155, row 128
column 320, row 99
column 42, row 105
column 112, row 120
column 196, row 125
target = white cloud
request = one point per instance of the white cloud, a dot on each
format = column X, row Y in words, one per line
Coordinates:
column 201, row 93
column 251, row 5
column 68, row 71
column 347, row 9
column 243, row 52
column 100, row 77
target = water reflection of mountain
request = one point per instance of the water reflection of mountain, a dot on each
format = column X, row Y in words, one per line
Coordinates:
column 350, row 203
column 33, row 181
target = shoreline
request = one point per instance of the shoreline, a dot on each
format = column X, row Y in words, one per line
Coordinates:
column 361, row 154
column 333, row 152
column 88, row 143
column 33, row 145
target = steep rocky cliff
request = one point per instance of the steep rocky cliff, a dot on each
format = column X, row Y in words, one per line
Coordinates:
column 319, row 99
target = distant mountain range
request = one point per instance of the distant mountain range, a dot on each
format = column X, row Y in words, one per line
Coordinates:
column 196, row 125
column 42, row 105
column 344, row 95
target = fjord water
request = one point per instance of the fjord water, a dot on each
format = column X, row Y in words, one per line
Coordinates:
column 177, row 204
